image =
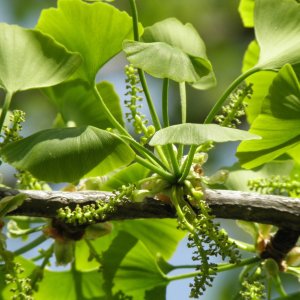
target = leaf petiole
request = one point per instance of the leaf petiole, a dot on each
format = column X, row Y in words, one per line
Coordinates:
column 39, row 240
column 5, row 108
column 164, row 174
column 229, row 90
column 142, row 77
column 242, row 245
column 186, row 166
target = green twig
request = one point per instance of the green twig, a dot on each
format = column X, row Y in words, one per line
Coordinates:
column 5, row 108
column 243, row 246
column 40, row 239
column 38, row 275
column 224, row 97
column 173, row 160
column 186, row 166
column 109, row 115
column 144, row 151
column 135, row 20
column 26, row 231
column 278, row 285
column 142, row 77
column 160, row 152
column 150, row 104
column 182, row 91
column 164, row 174
column 165, row 98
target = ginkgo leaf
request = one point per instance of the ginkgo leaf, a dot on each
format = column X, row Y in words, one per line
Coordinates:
column 76, row 102
column 95, row 30
column 278, row 124
column 172, row 50
column 130, row 267
column 130, row 174
column 164, row 238
column 138, row 272
column 277, row 31
column 66, row 154
column 30, row 59
column 260, row 81
column 196, row 134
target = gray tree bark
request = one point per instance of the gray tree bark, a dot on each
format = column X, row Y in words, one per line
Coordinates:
column 281, row 211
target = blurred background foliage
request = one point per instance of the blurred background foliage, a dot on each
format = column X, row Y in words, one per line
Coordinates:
column 220, row 27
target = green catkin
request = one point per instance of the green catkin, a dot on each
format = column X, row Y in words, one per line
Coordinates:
column 205, row 237
column 95, row 212
column 26, row 181
column 254, row 290
column 235, row 109
column 278, row 185
column 138, row 120
column 20, row 286
column 11, row 132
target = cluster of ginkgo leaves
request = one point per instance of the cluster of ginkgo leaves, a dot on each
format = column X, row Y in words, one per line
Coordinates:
column 89, row 140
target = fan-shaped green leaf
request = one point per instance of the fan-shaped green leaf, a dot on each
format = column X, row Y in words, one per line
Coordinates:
column 129, row 266
column 283, row 100
column 76, row 102
column 196, row 134
column 66, row 154
column 277, row 30
column 30, row 59
column 164, row 235
column 172, row 50
column 279, row 123
column 130, row 174
column 260, row 81
column 138, row 273
column 95, row 30
column 278, row 137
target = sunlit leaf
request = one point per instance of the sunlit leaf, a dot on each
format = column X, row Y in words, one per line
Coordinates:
column 172, row 50
column 66, row 154
column 196, row 134
column 279, row 123
column 129, row 174
column 260, row 81
column 95, row 30
column 72, row 285
column 164, row 235
column 76, row 102
column 277, row 30
column 283, row 100
column 246, row 10
column 129, row 266
column 113, row 257
column 30, row 59
column 184, row 37
column 138, row 273
column 278, row 137
column 101, row 244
